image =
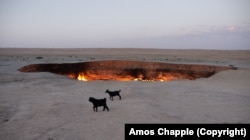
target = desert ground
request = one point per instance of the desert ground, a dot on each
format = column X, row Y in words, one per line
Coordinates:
column 47, row 106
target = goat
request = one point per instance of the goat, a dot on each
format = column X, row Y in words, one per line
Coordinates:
column 98, row 102
column 114, row 93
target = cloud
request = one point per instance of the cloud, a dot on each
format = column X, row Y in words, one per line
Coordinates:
column 203, row 37
column 222, row 29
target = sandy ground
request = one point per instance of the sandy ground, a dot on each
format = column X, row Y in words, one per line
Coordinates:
column 47, row 106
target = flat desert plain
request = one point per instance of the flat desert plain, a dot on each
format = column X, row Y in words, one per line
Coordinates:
column 47, row 106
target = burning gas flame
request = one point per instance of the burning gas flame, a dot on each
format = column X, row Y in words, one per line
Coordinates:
column 148, row 80
column 92, row 76
column 81, row 77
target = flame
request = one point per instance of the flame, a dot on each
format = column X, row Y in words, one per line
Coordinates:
column 148, row 80
column 137, row 79
column 92, row 76
column 81, row 77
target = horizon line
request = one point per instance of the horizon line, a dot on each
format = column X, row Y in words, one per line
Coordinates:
column 146, row 48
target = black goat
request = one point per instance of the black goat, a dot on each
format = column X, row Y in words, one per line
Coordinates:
column 114, row 93
column 98, row 102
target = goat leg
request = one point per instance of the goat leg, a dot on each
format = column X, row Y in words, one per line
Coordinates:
column 95, row 108
column 106, row 108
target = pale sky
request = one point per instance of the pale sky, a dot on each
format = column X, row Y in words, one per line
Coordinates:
column 170, row 24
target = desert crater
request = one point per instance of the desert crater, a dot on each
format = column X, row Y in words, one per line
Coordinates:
column 125, row 70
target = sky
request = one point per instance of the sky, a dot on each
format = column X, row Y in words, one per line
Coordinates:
column 167, row 24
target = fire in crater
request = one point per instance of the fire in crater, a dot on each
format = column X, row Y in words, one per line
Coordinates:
column 81, row 77
column 123, row 70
